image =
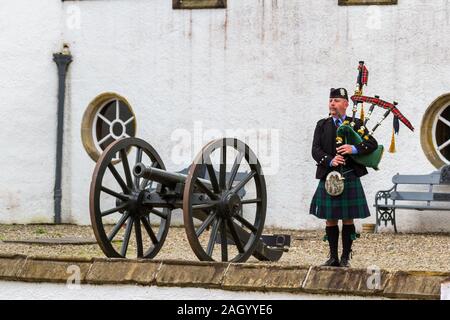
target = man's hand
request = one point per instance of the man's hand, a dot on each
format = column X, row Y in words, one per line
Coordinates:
column 345, row 149
column 338, row 160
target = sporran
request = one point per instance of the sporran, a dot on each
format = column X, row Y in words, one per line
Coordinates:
column 334, row 183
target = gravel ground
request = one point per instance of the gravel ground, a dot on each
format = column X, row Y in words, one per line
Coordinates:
column 388, row 251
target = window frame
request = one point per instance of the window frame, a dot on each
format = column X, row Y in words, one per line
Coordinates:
column 199, row 4
column 366, row 2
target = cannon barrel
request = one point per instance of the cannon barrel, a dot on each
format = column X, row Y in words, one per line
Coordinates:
column 166, row 178
column 169, row 179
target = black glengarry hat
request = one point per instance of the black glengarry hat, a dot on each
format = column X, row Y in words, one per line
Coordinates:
column 338, row 93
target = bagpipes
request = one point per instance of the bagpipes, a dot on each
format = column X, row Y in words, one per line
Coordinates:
column 346, row 133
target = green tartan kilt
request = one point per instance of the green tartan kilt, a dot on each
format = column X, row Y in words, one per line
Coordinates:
column 351, row 204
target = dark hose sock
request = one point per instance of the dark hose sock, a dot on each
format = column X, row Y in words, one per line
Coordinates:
column 333, row 238
column 348, row 232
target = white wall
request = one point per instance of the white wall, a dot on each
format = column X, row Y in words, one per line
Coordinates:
column 258, row 64
column 30, row 32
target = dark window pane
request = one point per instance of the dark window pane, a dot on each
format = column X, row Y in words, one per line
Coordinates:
column 103, row 128
column 443, row 133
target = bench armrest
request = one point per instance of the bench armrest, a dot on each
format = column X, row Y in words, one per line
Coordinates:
column 383, row 195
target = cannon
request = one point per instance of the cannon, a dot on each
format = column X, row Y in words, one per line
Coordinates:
column 131, row 190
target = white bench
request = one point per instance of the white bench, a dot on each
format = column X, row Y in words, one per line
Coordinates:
column 388, row 201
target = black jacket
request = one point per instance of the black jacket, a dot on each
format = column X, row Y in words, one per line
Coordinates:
column 324, row 148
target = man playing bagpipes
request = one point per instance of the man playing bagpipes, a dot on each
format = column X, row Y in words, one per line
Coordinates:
column 343, row 149
column 351, row 204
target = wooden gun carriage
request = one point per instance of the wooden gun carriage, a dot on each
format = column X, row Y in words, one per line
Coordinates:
column 132, row 191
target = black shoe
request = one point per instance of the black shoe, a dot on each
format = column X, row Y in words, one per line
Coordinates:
column 345, row 262
column 332, row 262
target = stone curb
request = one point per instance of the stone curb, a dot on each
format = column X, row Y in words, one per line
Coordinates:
column 227, row 276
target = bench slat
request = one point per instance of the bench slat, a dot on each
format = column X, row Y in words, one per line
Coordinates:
column 433, row 178
column 419, row 196
column 420, row 208
column 411, row 196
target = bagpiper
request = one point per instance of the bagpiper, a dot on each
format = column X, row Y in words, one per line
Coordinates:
column 340, row 196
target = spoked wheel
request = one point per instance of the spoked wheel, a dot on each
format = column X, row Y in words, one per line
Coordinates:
column 224, row 212
column 115, row 202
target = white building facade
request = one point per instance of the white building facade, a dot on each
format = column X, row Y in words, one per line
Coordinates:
column 264, row 67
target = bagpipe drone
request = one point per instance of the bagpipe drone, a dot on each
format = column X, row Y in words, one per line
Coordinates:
column 346, row 134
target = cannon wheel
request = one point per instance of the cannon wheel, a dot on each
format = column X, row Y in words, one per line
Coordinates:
column 220, row 212
column 128, row 193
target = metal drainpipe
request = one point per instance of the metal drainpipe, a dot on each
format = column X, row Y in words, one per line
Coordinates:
column 62, row 60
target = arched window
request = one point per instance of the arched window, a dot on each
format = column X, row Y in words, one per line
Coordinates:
column 435, row 132
column 109, row 117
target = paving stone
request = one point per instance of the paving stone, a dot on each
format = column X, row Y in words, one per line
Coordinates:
column 196, row 274
column 420, row 284
column 10, row 266
column 264, row 277
column 52, row 270
column 122, row 271
column 346, row 281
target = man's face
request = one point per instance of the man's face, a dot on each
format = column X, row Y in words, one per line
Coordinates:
column 337, row 106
